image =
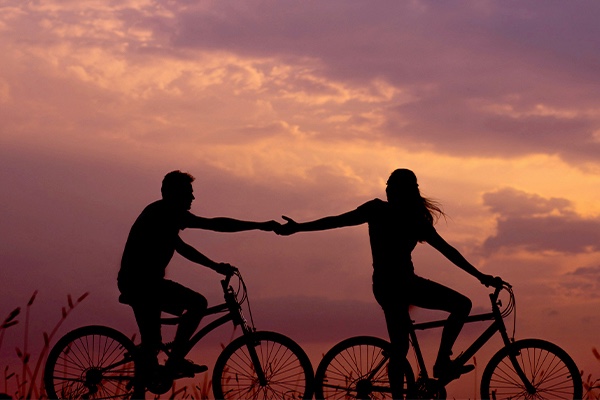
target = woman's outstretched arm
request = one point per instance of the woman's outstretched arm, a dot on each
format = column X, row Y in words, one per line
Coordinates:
column 350, row 218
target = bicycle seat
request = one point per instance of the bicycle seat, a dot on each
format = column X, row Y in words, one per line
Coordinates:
column 124, row 299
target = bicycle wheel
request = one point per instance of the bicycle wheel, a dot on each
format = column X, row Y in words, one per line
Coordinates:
column 549, row 369
column 286, row 367
column 358, row 368
column 92, row 362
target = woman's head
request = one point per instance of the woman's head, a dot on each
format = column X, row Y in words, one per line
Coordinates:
column 402, row 186
column 403, row 190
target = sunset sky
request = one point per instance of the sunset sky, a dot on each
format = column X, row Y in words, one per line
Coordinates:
column 303, row 109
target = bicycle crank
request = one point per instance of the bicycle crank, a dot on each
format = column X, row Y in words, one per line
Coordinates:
column 160, row 382
column 430, row 389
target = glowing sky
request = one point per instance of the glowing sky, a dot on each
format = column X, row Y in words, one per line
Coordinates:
column 303, row 109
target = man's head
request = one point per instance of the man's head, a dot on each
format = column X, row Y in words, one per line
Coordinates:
column 177, row 189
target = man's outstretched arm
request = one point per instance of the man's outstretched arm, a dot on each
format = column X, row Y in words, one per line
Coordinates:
column 224, row 224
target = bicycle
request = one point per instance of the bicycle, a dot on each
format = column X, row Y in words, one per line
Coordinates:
column 528, row 368
column 94, row 362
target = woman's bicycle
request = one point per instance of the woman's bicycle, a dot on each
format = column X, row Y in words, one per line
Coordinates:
column 357, row 368
column 98, row 362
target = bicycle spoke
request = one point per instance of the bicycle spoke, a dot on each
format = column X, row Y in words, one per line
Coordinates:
column 90, row 362
column 354, row 368
column 550, row 371
column 285, row 367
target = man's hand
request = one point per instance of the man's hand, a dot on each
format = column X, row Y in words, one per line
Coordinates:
column 270, row 226
column 289, row 228
column 490, row 280
column 225, row 269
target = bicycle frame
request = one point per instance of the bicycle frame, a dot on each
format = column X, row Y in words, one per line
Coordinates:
column 233, row 309
column 496, row 326
column 233, row 313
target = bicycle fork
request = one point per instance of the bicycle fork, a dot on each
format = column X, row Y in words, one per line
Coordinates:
column 260, row 373
column 512, row 353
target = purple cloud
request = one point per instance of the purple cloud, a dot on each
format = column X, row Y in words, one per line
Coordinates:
column 539, row 224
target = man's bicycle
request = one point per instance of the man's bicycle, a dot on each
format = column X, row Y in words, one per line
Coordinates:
column 357, row 368
column 98, row 362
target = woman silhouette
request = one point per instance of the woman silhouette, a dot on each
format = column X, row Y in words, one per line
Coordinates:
column 395, row 228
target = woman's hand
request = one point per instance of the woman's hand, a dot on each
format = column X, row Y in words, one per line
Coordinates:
column 289, row 228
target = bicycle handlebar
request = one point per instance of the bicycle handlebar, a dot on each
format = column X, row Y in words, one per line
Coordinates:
column 227, row 279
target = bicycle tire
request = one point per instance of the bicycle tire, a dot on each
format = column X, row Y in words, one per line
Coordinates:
column 552, row 372
column 91, row 362
column 343, row 371
column 288, row 371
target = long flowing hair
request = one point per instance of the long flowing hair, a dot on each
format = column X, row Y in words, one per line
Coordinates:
column 403, row 189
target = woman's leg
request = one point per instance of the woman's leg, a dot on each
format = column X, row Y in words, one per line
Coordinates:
column 432, row 295
column 397, row 318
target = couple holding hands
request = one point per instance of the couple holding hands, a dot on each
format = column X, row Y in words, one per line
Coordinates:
column 396, row 225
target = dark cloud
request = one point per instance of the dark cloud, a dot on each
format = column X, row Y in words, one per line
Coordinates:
column 457, row 124
column 516, row 203
column 538, row 224
column 454, row 61
column 583, row 282
column 476, row 73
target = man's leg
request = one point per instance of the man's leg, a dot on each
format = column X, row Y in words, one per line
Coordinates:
column 147, row 316
column 191, row 306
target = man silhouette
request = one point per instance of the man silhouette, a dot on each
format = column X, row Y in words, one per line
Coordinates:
column 152, row 241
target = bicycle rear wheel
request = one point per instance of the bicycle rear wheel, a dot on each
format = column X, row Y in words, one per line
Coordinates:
column 287, row 370
column 550, row 370
column 357, row 368
column 92, row 362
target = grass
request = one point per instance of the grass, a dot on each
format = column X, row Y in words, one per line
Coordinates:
column 591, row 386
column 26, row 382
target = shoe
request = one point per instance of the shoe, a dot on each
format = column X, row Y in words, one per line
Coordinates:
column 449, row 370
column 184, row 368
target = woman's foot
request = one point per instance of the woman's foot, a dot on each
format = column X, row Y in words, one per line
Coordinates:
column 184, row 368
column 448, row 370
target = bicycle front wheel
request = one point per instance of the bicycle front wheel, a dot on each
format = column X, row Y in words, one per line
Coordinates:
column 549, row 370
column 92, row 362
column 357, row 368
column 263, row 365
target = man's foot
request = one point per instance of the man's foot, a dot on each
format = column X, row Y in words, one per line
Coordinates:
column 184, row 368
column 449, row 370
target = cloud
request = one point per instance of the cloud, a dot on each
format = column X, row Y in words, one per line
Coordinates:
column 583, row 282
column 482, row 79
column 538, row 224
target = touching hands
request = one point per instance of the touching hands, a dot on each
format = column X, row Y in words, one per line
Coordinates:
column 270, row 226
column 287, row 229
